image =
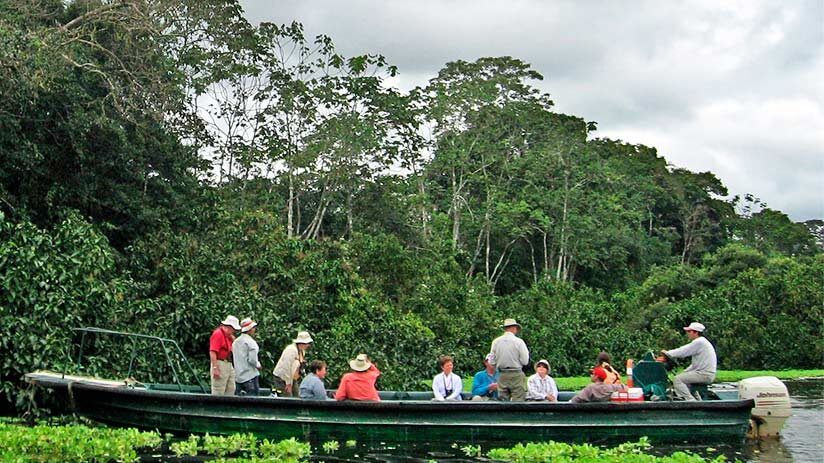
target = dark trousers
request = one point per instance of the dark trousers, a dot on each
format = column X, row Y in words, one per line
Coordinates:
column 251, row 387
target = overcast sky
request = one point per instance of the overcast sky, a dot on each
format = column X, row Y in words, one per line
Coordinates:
column 731, row 87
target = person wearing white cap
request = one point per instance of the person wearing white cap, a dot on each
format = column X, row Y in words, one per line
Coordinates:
column 288, row 367
column 704, row 362
column 509, row 356
column 541, row 386
column 220, row 351
column 245, row 354
column 485, row 382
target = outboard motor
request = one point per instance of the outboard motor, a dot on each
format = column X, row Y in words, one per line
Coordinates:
column 772, row 404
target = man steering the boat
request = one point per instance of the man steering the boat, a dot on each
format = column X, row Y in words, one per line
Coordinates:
column 704, row 361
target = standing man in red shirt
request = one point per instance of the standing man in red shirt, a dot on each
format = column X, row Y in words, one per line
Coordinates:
column 359, row 384
column 220, row 352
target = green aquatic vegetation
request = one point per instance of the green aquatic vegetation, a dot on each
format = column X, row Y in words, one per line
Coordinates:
column 75, row 443
column 331, row 446
column 471, row 450
column 285, row 451
column 351, row 443
column 630, row 452
column 188, row 447
column 221, row 446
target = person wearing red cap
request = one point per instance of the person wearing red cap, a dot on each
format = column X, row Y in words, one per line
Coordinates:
column 598, row 391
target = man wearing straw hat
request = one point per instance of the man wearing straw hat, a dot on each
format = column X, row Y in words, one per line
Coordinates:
column 359, row 384
column 509, row 356
column 245, row 354
column 287, row 369
column 220, row 350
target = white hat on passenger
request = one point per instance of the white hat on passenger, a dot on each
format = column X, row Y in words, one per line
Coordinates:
column 360, row 363
column 232, row 321
column 695, row 326
column 247, row 324
column 303, row 338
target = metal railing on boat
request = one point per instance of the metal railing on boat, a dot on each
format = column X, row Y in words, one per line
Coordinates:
column 165, row 344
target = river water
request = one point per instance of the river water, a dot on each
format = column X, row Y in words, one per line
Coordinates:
column 802, row 440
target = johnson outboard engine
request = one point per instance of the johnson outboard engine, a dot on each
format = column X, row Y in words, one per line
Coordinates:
column 772, row 404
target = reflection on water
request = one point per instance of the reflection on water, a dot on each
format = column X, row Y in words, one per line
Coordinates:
column 803, row 437
column 802, row 440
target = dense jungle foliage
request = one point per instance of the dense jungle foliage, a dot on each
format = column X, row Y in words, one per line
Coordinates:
column 164, row 164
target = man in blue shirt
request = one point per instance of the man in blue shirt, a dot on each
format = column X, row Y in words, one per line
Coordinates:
column 485, row 382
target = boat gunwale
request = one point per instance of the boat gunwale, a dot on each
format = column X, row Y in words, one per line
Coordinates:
column 388, row 405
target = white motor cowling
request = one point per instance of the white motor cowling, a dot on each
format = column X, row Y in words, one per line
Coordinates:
column 772, row 404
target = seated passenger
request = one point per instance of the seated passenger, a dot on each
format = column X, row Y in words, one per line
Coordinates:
column 604, row 361
column 541, row 386
column 485, row 382
column 312, row 387
column 359, row 384
column 446, row 385
column 597, row 391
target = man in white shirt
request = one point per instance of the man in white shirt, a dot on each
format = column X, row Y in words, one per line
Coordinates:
column 704, row 362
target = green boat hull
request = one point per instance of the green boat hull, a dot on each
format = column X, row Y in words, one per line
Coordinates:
column 406, row 422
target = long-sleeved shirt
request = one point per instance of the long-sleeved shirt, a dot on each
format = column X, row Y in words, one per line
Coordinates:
column 509, row 352
column 359, row 385
column 245, row 356
column 596, row 392
column 447, row 387
column 289, row 363
column 702, row 353
column 481, row 383
column 312, row 388
column 539, row 388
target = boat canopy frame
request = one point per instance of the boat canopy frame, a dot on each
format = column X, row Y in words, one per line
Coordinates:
column 165, row 344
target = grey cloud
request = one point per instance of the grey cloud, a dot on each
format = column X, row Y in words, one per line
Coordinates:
column 648, row 72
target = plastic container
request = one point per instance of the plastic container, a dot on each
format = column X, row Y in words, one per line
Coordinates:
column 633, row 394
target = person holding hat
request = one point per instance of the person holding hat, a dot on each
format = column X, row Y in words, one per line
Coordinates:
column 245, row 354
column 509, row 356
column 541, row 386
column 485, row 382
column 704, row 361
column 287, row 370
column 597, row 391
column 359, row 384
column 220, row 350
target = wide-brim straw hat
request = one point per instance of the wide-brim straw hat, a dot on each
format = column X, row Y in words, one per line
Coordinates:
column 232, row 321
column 360, row 363
column 303, row 338
column 510, row 322
column 247, row 324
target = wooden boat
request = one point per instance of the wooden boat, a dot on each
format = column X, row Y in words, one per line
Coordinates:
column 403, row 418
